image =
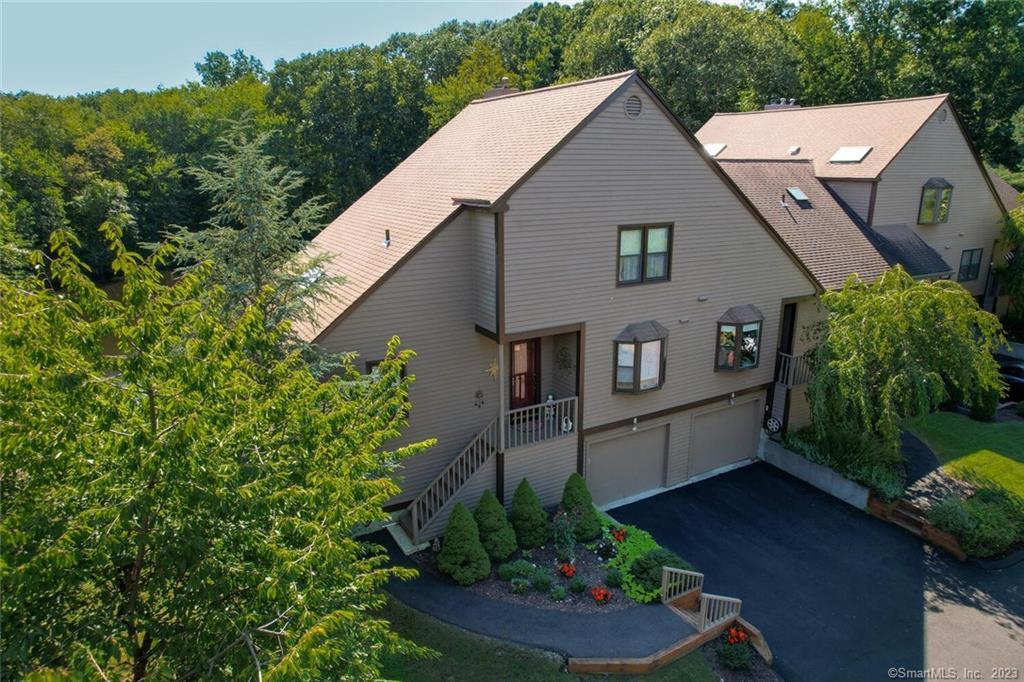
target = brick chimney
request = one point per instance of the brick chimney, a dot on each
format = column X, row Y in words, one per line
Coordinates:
column 781, row 103
column 502, row 88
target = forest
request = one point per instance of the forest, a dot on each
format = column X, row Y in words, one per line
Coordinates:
column 344, row 117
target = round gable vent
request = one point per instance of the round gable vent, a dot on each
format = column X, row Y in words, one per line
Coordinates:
column 633, row 106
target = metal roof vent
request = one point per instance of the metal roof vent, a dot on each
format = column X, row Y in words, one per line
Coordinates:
column 794, row 150
column 634, row 105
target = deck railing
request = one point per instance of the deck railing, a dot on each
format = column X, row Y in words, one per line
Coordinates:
column 441, row 489
column 676, row 583
column 792, row 370
column 529, row 425
column 716, row 609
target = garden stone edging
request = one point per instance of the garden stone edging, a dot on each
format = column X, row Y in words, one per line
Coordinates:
column 821, row 477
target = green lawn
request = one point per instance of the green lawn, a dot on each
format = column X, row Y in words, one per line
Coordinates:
column 968, row 448
column 465, row 656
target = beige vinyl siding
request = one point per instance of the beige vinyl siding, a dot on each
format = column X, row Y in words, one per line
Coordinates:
column 855, row 193
column 484, row 278
column 469, row 494
column 560, row 246
column 430, row 303
column 545, row 465
column 940, row 150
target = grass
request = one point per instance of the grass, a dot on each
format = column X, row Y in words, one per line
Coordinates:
column 972, row 450
column 466, row 656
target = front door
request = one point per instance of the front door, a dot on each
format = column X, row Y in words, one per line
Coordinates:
column 525, row 373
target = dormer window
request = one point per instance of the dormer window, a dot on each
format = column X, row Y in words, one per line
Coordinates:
column 849, row 155
column 640, row 358
column 936, row 196
column 739, row 338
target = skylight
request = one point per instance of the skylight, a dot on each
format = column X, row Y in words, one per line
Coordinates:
column 849, row 155
column 801, row 199
column 714, row 149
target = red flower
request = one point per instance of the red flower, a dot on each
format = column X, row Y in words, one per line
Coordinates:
column 568, row 570
column 736, row 635
column 619, row 534
column 602, row 595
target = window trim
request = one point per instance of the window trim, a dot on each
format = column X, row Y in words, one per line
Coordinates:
column 977, row 272
column 941, row 189
column 371, row 365
column 644, row 279
column 738, row 326
column 637, row 364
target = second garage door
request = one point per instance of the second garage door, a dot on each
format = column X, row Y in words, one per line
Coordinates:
column 628, row 465
column 724, row 437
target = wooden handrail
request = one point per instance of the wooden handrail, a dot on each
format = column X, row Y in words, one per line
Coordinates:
column 716, row 609
column 443, row 488
column 792, row 370
column 676, row 583
column 535, row 423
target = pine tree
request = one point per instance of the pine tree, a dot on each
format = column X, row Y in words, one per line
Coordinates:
column 496, row 533
column 528, row 517
column 576, row 500
column 462, row 556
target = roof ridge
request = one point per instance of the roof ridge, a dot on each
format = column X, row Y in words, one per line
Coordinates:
column 558, row 86
column 941, row 95
column 805, row 161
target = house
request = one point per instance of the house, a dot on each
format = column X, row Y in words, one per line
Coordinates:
column 585, row 289
column 857, row 188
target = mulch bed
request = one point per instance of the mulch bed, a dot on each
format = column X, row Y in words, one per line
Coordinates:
column 589, row 567
column 759, row 672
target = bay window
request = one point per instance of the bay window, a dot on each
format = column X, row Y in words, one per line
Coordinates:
column 738, row 345
column 640, row 358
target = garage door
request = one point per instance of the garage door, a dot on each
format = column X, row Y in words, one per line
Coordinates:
column 724, row 436
column 627, row 465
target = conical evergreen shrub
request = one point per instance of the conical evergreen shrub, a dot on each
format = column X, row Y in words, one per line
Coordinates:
column 462, row 556
column 496, row 534
column 576, row 500
column 528, row 517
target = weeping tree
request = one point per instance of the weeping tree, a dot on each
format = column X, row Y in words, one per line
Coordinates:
column 893, row 349
column 178, row 496
column 255, row 242
column 1010, row 273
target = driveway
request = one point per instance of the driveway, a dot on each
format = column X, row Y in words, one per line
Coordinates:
column 838, row 594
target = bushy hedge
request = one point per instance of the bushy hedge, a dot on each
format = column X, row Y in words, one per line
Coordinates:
column 529, row 518
column 855, row 457
column 462, row 556
column 496, row 533
column 577, row 501
column 984, row 406
column 986, row 524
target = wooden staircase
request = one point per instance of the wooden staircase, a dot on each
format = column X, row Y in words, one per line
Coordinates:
column 427, row 513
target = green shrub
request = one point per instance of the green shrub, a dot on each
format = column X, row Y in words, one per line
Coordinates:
column 1020, row 408
column 542, row 581
column 462, row 556
column 496, row 533
column 577, row 585
column 951, row 516
column 505, row 572
column 577, row 501
column 613, row 578
column 558, row 593
column 528, row 517
column 519, row 585
column 888, row 482
column 735, row 656
column 854, row 456
column 986, row 524
column 520, row 568
column 984, row 405
column 646, row 570
column 563, row 528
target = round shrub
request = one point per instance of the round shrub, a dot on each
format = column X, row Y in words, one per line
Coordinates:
column 735, row 656
column 558, row 593
column 520, row 568
column 613, row 578
column 577, row 585
column 576, row 500
column 984, row 405
column 505, row 572
column 542, row 581
column 462, row 556
column 519, row 585
column 646, row 570
column 496, row 534
column 528, row 517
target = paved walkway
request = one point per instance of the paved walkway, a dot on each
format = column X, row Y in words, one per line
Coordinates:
column 633, row 632
column 839, row 595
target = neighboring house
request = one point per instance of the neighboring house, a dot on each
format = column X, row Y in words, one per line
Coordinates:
column 855, row 189
column 585, row 289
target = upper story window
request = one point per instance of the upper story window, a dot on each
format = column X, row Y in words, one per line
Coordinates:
column 640, row 358
column 935, row 198
column 739, row 338
column 970, row 265
column 373, row 370
column 645, row 253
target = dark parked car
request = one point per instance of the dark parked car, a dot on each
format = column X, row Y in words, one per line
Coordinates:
column 1012, row 371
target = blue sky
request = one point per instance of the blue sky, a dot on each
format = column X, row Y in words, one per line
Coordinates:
column 65, row 48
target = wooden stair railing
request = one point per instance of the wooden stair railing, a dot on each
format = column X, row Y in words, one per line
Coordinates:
column 716, row 609
column 677, row 583
column 436, row 496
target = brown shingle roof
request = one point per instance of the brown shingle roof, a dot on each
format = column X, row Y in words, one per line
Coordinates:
column 477, row 157
column 824, row 236
column 885, row 126
column 1008, row 194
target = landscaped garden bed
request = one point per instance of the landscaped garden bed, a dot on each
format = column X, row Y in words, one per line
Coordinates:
column 732, row 658
column 571, row 558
